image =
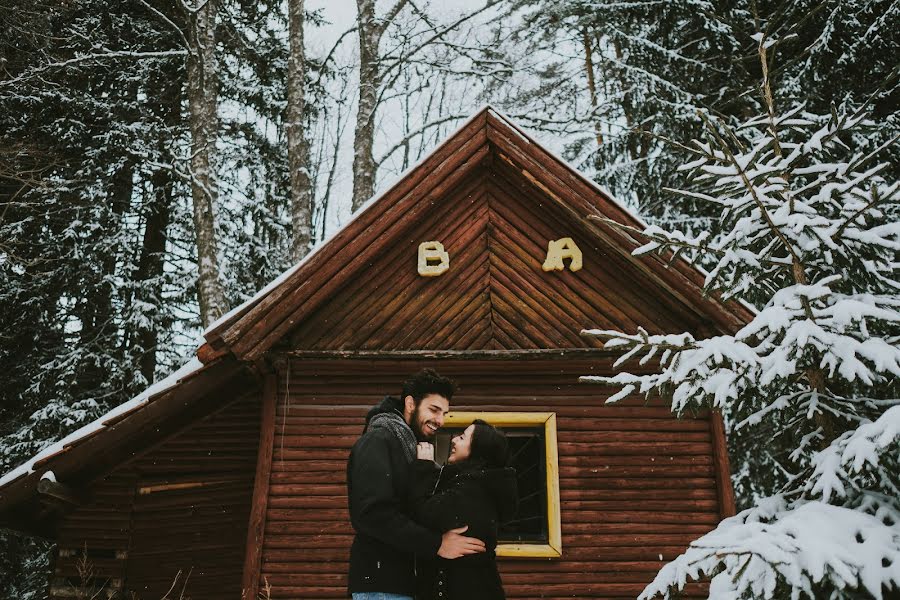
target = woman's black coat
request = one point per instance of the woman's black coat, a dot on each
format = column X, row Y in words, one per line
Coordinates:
column 455, row 496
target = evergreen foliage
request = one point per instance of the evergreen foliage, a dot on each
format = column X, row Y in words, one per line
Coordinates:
column 808, row 230
column 620, row 79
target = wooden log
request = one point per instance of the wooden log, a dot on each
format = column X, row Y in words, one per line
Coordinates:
column 624, row 516
column 629, row 437
column 704, row 506
column 309, row 542
column 634, row 577
column 651, row 448
column 594, row 589
column 258, row 505
column 592, row 462
column 633, row 483
column 60, row 492
column 307, row 501
column 662, row 470
column 560, row 566
column 722, row 467
column 309, row 527
column 651, row 494
column 692, row 530
column 336, row 566
column 308, row 591
column 304, row 514
column 304, row 555
column 646, row 540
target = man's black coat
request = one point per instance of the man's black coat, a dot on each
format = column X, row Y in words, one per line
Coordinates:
column 382, row 558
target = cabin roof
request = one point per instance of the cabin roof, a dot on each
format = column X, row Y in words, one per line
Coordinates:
column 251, row 329
column 245, row 334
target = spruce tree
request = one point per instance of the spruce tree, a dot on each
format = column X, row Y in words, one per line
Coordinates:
column 808, row 231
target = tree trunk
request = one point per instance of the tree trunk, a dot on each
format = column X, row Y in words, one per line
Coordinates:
column 150, row 267
column 592, row 86
column 202, row 99
column 297, row 135
column 363, row 160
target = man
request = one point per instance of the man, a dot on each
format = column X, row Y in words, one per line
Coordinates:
column 382, row 558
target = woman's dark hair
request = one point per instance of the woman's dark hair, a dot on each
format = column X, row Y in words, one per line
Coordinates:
column 428, row 381
column 489, row 445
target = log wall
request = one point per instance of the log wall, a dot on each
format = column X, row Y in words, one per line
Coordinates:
column 181, row 507
column 636, row 484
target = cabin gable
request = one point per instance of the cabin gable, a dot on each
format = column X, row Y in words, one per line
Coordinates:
column 495, row 295
column 530, row 195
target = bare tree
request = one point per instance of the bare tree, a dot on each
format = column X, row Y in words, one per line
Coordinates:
column 202, row 73
column 379, row 71
column 370, row 78
column 298, row 136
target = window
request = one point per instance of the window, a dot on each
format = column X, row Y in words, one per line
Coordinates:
column 535, row 532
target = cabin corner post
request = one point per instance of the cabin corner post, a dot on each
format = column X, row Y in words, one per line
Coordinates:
column 257, row 523
column 724, row 489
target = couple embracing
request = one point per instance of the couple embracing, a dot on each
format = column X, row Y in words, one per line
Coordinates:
column 424, row 531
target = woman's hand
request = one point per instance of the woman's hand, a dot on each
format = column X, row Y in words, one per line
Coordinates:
column 425, row 451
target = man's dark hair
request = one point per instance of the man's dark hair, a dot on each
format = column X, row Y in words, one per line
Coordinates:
column 428, row 381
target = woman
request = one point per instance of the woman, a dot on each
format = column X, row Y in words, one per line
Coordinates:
column 474, row 489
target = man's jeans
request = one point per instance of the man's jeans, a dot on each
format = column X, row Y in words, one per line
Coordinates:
column 379, row 596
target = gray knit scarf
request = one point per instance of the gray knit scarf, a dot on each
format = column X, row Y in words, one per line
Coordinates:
column 394, row 422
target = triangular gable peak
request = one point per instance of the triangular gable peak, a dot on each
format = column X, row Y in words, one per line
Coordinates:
column 495, row 198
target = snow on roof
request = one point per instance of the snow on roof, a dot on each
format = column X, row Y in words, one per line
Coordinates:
column 141, row 399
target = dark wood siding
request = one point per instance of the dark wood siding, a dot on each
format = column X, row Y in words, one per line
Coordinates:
column 182, row 506
column 495, row 295
column 636, row 484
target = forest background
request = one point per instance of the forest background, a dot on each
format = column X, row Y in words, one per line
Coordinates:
column 162, row 160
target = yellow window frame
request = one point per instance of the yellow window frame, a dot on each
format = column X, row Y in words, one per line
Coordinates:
column 511, row 420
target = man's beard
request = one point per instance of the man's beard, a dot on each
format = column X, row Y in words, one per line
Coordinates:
column 417, row 427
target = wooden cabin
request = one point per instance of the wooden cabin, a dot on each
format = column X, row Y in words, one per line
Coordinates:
column 483, row 262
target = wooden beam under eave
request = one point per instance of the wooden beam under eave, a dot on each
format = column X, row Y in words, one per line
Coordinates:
column 528, row 354
column 259, row 502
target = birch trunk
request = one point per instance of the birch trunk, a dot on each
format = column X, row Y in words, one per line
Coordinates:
column 202, row 100
column 297, row 135
column 363, row 160
column 592, row 86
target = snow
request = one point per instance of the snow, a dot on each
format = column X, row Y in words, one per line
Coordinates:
column 135, row 403
column 804, row 546
column 805, row 236
column 854, row 452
